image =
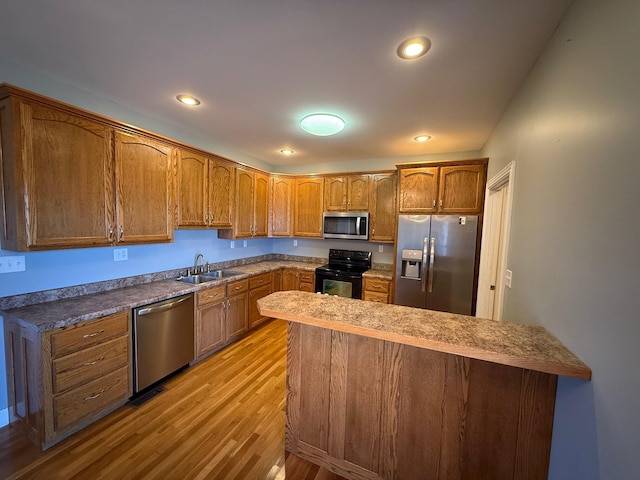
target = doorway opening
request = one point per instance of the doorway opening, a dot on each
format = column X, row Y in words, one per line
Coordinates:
column 494, row 254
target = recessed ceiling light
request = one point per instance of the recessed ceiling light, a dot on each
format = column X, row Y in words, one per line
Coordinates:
column 286, row 151
column 422, row 138
column 322, row 124
column 188, row 100
column 414, row 47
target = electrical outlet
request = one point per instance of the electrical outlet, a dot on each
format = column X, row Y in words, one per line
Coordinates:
column 295, row 243
column 380, row 248
column 244, row 243
column 232, row 244
column 507, row 278
column 120, row 254
column 12, row 264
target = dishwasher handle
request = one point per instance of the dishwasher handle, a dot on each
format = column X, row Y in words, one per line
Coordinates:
column 162, row 306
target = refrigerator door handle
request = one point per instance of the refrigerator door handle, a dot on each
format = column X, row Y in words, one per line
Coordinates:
column 423, row 274
column 432, row 257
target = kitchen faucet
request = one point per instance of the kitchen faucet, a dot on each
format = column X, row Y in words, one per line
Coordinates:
column 199, row 256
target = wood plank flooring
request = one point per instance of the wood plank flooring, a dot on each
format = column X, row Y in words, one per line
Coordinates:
column 220, row 419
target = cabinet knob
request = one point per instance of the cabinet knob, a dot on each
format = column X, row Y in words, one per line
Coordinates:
column 110, row 232
column 121, row 233
column 434, row 203
column 441, row 202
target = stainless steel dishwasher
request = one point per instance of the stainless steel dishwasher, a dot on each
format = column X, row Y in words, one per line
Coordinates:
column 163, row 339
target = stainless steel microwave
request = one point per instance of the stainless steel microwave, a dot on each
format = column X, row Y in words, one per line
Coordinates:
column 350, row 225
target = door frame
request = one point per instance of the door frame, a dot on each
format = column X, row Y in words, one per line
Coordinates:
column 505, row 177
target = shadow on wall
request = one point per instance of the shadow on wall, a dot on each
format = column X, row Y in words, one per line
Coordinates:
column 574, row 427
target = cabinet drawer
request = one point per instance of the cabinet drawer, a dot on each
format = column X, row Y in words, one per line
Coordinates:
column 306, row 277
column 210, row 295
column 376, row 285
column 81, row 367
column 237, row 287
column 376, row 297
column 82, row 403
column 260, row 280
column 89, row 333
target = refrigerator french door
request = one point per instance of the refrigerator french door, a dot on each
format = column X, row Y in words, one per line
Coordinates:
column 435, row 262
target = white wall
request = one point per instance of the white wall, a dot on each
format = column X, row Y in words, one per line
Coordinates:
column 574, row 131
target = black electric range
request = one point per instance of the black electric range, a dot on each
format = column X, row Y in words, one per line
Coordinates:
column 342, row 276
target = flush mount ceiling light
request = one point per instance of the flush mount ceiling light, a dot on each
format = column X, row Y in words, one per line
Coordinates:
column 422, row 138
column 286, row 151
column 322, row 124
column 188, row 100
column 414, row 47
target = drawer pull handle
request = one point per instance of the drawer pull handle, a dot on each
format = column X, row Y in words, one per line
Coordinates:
column 89, row 335
column 88, row 364
column 94, row 396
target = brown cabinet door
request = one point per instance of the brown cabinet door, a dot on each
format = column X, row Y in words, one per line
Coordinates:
column 358, row 193
column 68, row 175
column 382, row 205
column 307, row 211
column 261, row 205
column 289, row 279
column 243, row 224
column 418, row 190
column 335, row 194
column 281, row 200
column 256, row 294
column 144, row 190
column 221, row 188
column 210, row 327
column 237, row 315
column 276, row 284
column 191, row 190
column 461, row 189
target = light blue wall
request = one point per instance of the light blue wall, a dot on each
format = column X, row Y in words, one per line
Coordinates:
column 572, row 130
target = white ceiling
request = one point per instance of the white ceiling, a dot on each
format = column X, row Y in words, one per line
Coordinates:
column 259, row 66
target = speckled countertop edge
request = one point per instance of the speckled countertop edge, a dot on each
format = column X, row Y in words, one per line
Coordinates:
column 68, row 311
column 506, row 343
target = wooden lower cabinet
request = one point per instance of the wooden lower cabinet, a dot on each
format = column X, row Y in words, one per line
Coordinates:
column 294, row 279
column 210, row 319
column 62, row 380
column 259, row 286
column 237, row 320
column 376, row 290
column 371, row 409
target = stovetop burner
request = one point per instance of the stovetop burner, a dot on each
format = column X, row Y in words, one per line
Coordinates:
column 353, row 261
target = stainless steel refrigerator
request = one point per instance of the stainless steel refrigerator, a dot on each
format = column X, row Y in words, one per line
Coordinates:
column 435, row 262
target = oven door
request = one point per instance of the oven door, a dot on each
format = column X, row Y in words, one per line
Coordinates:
column 343, row 284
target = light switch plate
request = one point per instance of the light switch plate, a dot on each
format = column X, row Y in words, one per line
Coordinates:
column 232, row 244
column 12, row 264
column 295, row 243
column 380, row 248
column 244, row 243
column 507, row 278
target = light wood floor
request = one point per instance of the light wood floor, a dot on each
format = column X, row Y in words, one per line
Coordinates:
column 221, row 419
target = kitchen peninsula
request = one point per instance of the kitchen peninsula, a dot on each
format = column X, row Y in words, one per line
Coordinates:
column 390, row 392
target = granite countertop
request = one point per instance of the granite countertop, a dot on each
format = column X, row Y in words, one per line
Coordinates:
column 506, row 343
column 54, row 314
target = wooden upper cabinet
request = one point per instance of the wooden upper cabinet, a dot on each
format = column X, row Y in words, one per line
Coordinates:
column 451, row 188
column 222, row 177
column 462, row 189
column 144, row 180
column 280, row 207
column 251, row 206
column 261, row 205
column 346, row 193
column 204, row 191
column 57, row 178
column 307, row 210
column 191, row 191
column 418, row 190
column 382, row 207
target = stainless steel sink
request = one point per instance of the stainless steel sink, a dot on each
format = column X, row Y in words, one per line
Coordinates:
column 208, row 277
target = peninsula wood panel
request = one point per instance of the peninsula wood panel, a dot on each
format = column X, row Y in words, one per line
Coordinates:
column 398, row 412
